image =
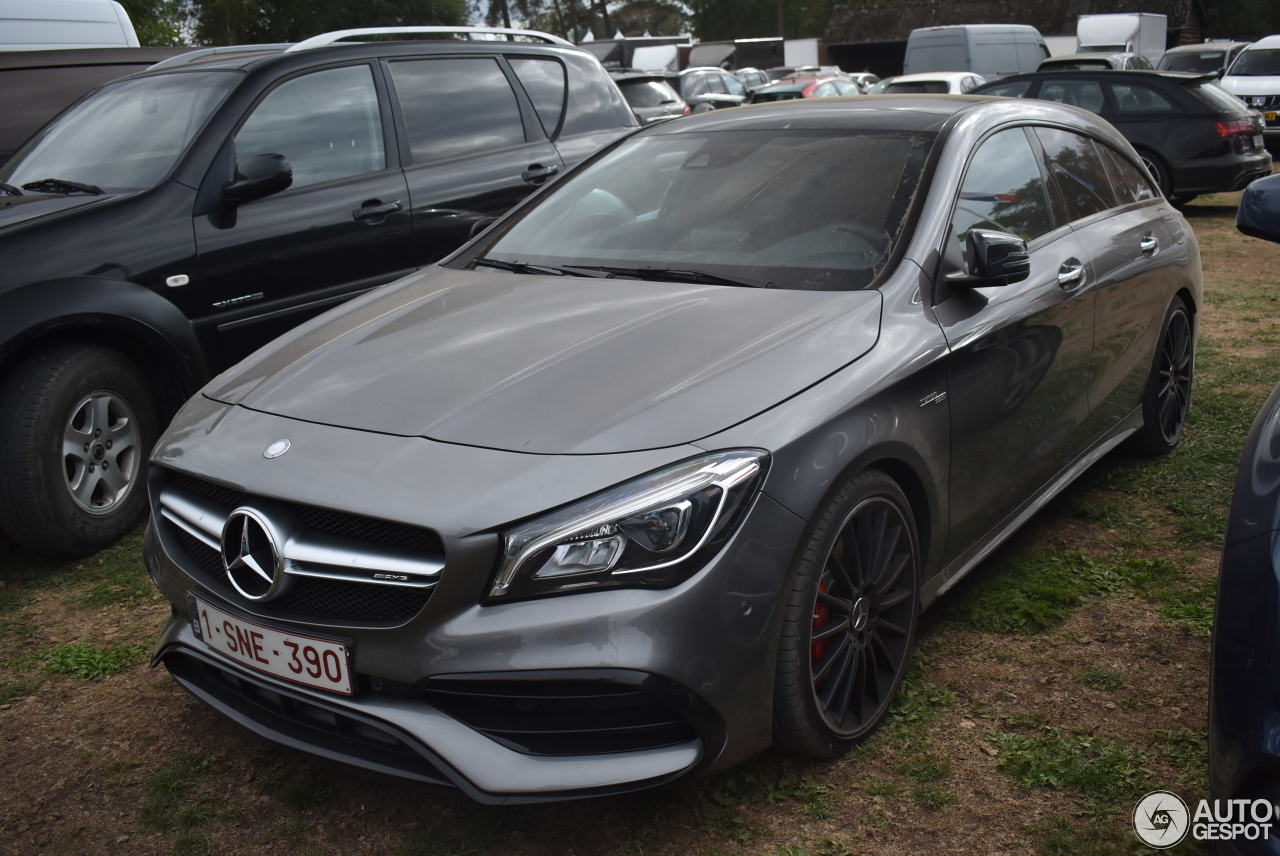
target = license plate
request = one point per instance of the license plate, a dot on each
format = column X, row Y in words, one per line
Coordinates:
column 1270, row 117
column 305, row 660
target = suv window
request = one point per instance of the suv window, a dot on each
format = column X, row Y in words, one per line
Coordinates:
column 1003, row 189
column 1012, row 89
column 1137, row 98
column 327, row 124
column 454, row 107
column 1077, row 170
column 1085, row 94
column 1130, row 184
column 543, row 79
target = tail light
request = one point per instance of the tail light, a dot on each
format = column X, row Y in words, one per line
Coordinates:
column 687, row 109
column 1233, row 127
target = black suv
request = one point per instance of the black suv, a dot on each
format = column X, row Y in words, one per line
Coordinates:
column 171, row 222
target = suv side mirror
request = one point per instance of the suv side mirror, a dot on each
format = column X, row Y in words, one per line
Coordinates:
column 995, row 258
column 258, row 176
column 1259, row 212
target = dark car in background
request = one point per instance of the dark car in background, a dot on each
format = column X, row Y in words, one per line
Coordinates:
column 173, row 221
column 1210, row 57
column 1244, row 713
column 791, row 89
column 662, row 467
column 35, row 86
column 705, row 88
column 650, row 94
column 1096, row 62
column 1192, row 136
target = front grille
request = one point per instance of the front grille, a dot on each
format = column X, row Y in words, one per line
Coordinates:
column 562, row 717
column 324, row 521
column 354, row 599
column 297, row 720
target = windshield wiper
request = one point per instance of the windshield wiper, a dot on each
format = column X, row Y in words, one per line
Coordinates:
column 671, row 275
column 62, row 185
column 525, row 267
column 9, row 189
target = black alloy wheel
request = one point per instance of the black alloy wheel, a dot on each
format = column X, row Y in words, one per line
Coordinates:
column 1173, row 372
column 850, row 619
column 863, row 617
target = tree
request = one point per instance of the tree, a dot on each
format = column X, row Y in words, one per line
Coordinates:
column 157, row 22
column 230, row 22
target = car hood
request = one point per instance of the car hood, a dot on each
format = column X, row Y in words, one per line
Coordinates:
column 553, row 365
column 1240, row 84
column 15, row 210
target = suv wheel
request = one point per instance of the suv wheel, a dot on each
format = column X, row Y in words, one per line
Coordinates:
column 849, row 619
column 78, row 424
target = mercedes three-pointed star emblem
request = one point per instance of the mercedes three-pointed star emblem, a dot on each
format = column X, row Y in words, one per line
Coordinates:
column 250, row 555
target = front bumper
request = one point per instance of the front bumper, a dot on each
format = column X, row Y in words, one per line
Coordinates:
column 701, row 651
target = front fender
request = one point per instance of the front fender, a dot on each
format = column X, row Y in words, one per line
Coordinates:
column 36, row 311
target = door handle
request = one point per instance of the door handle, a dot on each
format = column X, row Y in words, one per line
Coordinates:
column 1148, row 244
column 537, row 173
column 1071, row 274
column 374, row 210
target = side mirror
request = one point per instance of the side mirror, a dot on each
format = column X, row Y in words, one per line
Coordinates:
column 480, row 225
column 1259, row 212
column 258, row 176
column 995, row 258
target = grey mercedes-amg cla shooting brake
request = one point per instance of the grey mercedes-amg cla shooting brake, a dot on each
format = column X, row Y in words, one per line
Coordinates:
column 663, row 466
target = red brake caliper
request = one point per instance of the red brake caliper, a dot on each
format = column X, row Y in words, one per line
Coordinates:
column 820, row 617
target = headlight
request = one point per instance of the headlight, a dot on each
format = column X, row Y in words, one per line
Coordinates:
column 655, row 531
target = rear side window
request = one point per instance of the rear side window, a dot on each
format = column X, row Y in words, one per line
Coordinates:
column 543, row 80
column 1003, row 190
column 1085, row 94
column 1128, row 181
column 1219, row 99
column 1012, row 89
column 594, row 102
column 326, row 123
column 733, row 85
column 1078, row 171
column 648, row 93
column 454, row 107
column 1137, row 98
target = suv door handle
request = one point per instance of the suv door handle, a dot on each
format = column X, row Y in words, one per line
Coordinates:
column 1148, row 244
column 373, row 210
column 1071, row 274
column 538, row 173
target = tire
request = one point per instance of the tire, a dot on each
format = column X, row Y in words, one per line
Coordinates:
column 1158, row 171
column 56, row 497
column 1180, row 201
column 837, row 674
column 1166, row 398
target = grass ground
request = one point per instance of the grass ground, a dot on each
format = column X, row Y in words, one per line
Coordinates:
column 1063, row 679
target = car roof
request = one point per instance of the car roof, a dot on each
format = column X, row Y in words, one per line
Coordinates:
column 1133, row 74
column 796, row 83
column 87, row 56
column 1219, row 44
column 1269, row 43
column 926, row 76
column 631, row 76
column 1076, row 57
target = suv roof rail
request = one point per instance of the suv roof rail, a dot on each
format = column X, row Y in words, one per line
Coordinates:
column 193, row 55
column 325, row 39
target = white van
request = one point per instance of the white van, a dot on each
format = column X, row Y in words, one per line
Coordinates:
column 991, row 50
column 27, row 25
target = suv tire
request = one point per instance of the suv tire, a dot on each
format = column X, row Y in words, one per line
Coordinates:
column 78, row 425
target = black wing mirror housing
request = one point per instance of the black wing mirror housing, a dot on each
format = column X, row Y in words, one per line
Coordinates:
column 995, row 258
column 1259, row 213
column 258, row 176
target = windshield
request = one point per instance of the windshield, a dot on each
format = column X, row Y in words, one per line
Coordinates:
column 127, row 135
column 1199, row 61
column 1256, row 63
column 796, row 209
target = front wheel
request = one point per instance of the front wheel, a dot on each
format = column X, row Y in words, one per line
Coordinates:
column 849, row 619
column 1166, row 400
column 77, row 423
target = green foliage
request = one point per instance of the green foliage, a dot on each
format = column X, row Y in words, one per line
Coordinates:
column 167, row 804
column 1106, row 771
column 10, row 690
column 932, row 796
column 230, row 22
column 157, row 22
column 1186, row 750
column 1064, row 836
column 1102, row 678
column 89, row 662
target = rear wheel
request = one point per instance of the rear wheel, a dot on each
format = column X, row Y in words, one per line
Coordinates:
column 1158, row 171
column 850, row 619
column 78, row 423
column 1166, row 401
